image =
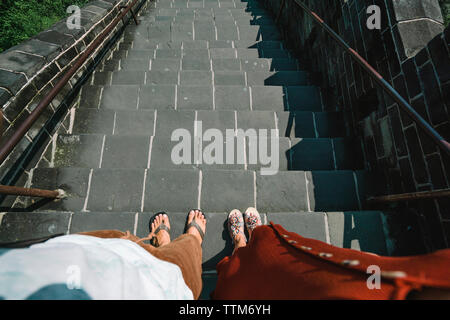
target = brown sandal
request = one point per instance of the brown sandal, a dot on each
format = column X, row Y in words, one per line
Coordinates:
column 154, row 240
column 195, row 224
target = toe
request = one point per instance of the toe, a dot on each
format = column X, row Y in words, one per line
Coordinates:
column 166, row 220
column 191, row 216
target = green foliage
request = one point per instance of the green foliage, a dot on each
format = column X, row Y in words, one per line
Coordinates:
column 445, row 6
column 22, row 19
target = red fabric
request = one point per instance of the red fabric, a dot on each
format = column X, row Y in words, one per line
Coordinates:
column 270, row 267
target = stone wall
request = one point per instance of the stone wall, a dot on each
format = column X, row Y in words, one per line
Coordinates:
column 411, row 52
column 31, row 69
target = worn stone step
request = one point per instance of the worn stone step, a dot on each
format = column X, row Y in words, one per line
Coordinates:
column 307, row 154
column 153, row 44
column 147, row 151
column 97, row 151
column 187, row 28
column 243, row 20
column 244, row 50
column 196, row 92
column 148, row 47
column 202, row 64
column 303, row 124
column 277, row 78
column 286, row 191
column 310, row 191
column 198, row 77
column 304, row 98
column 269, row 64
column 290, row 98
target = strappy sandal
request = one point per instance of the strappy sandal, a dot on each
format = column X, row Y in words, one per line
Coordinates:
column 154, row 240
column 194, row 224
column 236, row 224
column 252, row 219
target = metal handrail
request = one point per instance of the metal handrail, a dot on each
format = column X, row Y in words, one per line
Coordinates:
column 32, row 192
column 17, row 136
column 416, row 117
column 433, row 194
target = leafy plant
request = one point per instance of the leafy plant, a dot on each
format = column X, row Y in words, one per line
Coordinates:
column 445, row 6
column 22, row 19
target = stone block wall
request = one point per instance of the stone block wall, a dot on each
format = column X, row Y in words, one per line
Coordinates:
column 411, row 51
column 31, row 69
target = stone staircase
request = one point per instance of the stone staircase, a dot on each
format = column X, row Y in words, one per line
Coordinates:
column 222, row 63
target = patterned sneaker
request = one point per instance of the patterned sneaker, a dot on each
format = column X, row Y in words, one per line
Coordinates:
column 236, row 224
column 252, row 219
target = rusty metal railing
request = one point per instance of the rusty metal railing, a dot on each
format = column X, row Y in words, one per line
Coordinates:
column 31, row 192
column 421, row 195
column 17, row 136
column 403, row 104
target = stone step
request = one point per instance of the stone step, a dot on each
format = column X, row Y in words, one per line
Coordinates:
column 153, row 44
column 242, row 21
column 209, row 12
column 359, row 230
column 143, row 122
column 199, row 14
column 156, row 152
column 202, row 78
column 204, row 53
column 203, row 64
column 217, row 29
column 202, row 97
column 219, row 7
column 140, row 190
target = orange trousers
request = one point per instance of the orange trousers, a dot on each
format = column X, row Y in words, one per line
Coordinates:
column 278, row 264
column 185, row 252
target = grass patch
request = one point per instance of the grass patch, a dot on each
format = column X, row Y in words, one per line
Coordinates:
column 22, row 19
column 445, row 6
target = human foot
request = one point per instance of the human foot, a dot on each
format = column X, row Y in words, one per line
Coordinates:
column 252, row 220
column 196, row 224
column 236, row 229
column 160, row 228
